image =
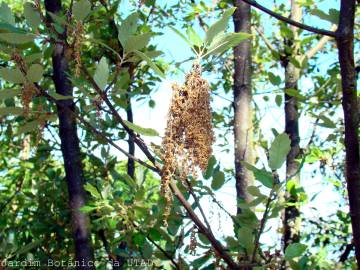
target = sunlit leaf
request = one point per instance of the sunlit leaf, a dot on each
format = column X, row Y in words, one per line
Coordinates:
column 141, row 130
column 102, row 73
column 31, row 15
column 35, row 73
column 219, row 26
column 294, row 250
column 150, row 63
column 81, row 9
column 278, row 151
column 12, row 75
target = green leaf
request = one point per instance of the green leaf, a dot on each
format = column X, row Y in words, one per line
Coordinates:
column 332, row 16
column 60, row 97
column 92, row 190
column 88, row 208
column 141, row 130
column 129, row 181
column 31, row 15
column 194, row 37
column 17, row 38
column 295, row 93
column 223, row 42
column 218, row 180
column 181, row 35
column 219, row 26
column 11, row 110
column 35, row 73
column 326, row 122
column 147, row 250
column 9, row 93
column 137, row 42
column 6, row 15
column 28, row 127
column 128, row 27
column 274, row 79
column 294, row 250
column 263, row 176
column 12, row 75
column 81, row 9
column 150, row 63
column 102, row 73
column 246, row 238
column 278, row 100
column 278, row 151
column 28, row 247
column 210, row 167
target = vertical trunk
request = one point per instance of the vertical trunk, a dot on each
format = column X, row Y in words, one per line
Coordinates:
column 131, row 162
column 292, row 215
column 345, row 43
column 71, row 150
column 243, row 129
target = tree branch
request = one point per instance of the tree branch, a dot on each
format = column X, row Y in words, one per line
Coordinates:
column 289, row 21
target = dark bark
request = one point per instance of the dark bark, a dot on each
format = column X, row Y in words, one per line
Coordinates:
column 243, row 130
column 345, row 43
column 292, row 213
column 71, row 150
column 131, row 143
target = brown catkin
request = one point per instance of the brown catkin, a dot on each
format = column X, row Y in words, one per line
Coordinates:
column 187, row 144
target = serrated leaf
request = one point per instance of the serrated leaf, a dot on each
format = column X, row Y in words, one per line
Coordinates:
column 294, row 250
column 35, row 73
column 9, row 93
column 278, row 151
column 141, row 130
column 137, row 42
column 11, row 110
column 81, row 9
column 261, row 175
column 150, row 63
column 223, row 42
column 12, row 75
column 194, row 37
column 17, row 38
column 6, row 15
column 102, row 73
column 31, row 15
column 219, row 26
column 92, row 190
column 128, row 27
column 218, row 180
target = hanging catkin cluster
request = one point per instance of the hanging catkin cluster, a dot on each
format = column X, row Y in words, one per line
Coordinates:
column 187, row 144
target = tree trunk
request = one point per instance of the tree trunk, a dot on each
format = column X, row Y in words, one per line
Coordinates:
column 71, row 150
column 345, row 43
column 292, row 214
column 243, row 129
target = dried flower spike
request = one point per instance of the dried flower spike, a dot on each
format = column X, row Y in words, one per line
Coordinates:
column 187, row 144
